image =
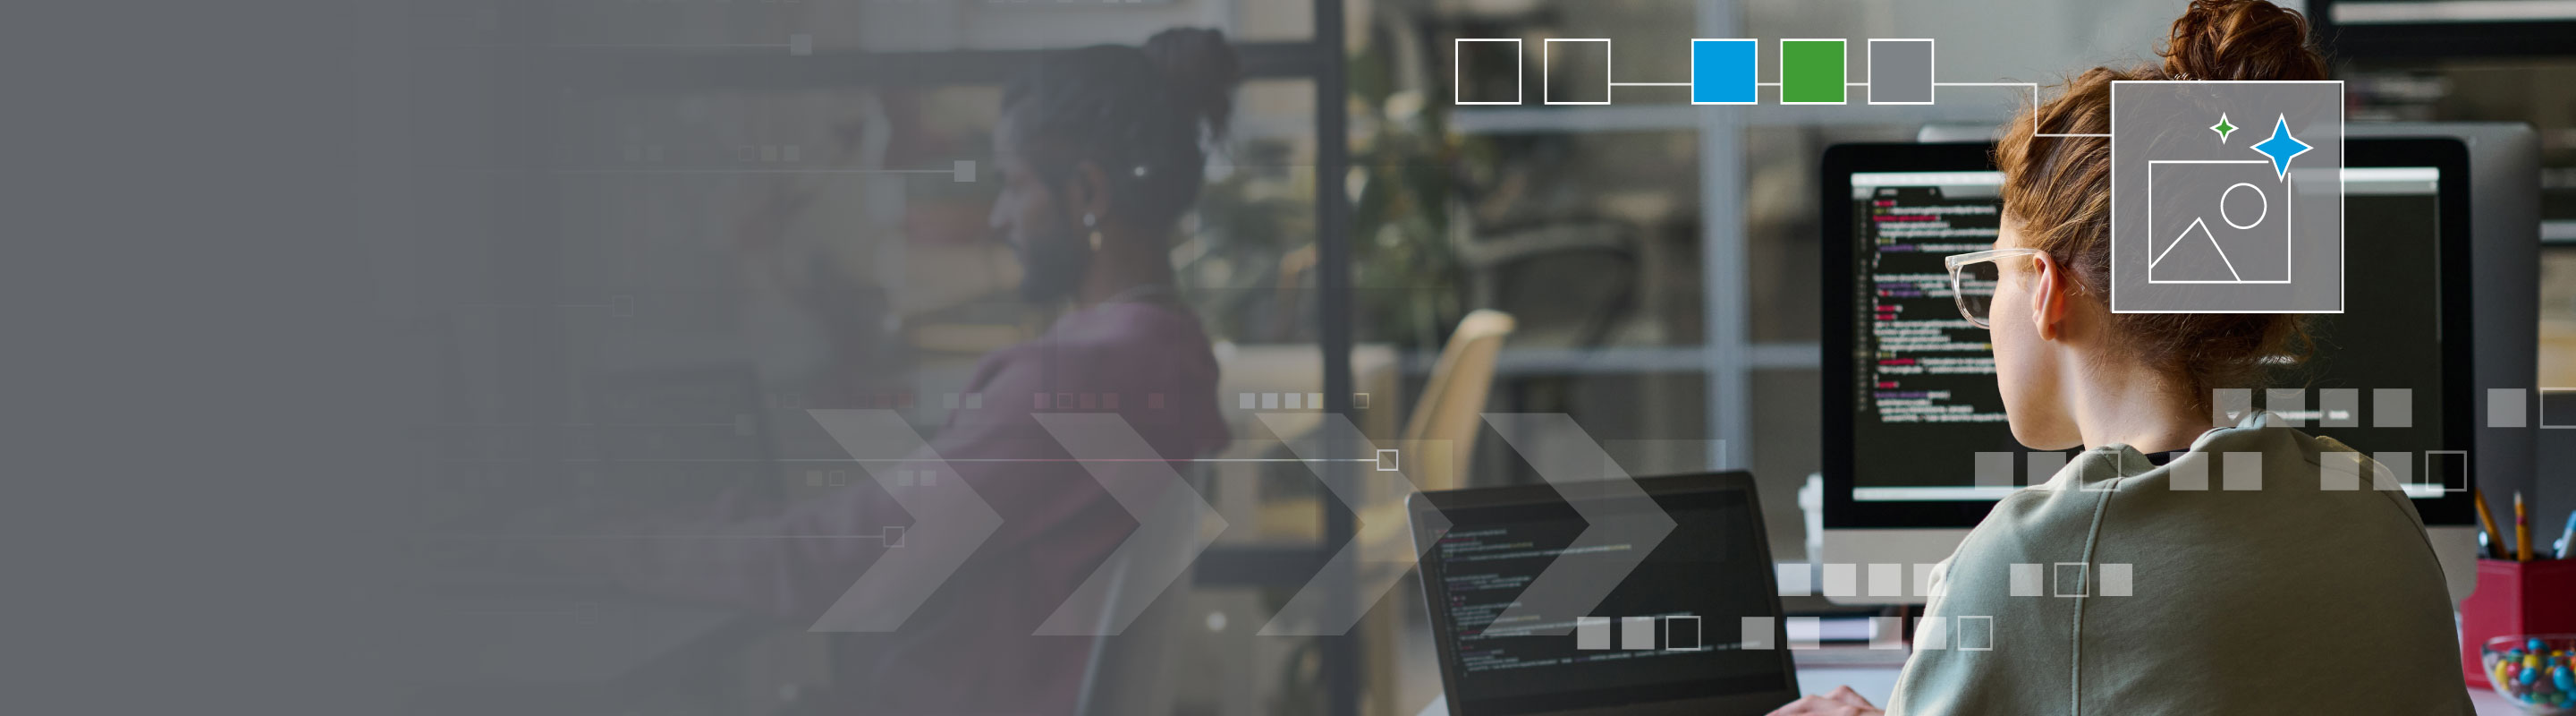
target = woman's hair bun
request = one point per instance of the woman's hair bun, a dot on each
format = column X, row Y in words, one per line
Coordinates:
column 2241, row 40
column 1201, row 71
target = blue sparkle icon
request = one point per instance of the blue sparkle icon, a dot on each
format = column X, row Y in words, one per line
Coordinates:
column 2282, row 147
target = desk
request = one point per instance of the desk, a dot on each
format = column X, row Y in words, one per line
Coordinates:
column 1876, row 682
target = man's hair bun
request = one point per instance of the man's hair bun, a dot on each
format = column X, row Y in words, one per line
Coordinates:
column 2241, row 40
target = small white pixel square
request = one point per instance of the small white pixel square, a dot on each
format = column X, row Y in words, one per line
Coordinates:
column 1797, row 579
column 2115, row 579
column 2025, row 580
column 1637, row 633
column 1387, row 460
column 1591, row 632
column 1842, row 579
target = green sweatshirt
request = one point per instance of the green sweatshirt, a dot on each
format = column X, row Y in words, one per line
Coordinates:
column 2315, row 594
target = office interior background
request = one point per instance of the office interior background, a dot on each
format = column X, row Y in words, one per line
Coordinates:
column 1659, row 258
column 1658, row 261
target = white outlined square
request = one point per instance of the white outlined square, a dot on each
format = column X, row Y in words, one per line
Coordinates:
column 1673, row 640
column 2460, row 477
column 891, row 535
column 1844, row 42
column 2163, row 303
column 1458, row 71
column 1931, row 53
column 2057, row 584
column 2289, row 232
column 1756, row 71
column 2543, row 409
column 1389, row 460
column 1606, row 74
column 1962, row 633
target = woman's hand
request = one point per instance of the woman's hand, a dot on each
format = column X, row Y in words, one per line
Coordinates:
column 1842, row 702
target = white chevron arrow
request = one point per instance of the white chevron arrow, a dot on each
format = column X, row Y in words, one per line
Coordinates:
column 1613, row 542
column 949, row 521
column 1168, row 518
column 1335, row 600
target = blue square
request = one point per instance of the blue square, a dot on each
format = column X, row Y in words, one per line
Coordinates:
column 1724, row 71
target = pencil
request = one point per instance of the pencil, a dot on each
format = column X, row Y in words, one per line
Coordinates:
column 2521, row 530
column 2495, row 537
column 2567, row 538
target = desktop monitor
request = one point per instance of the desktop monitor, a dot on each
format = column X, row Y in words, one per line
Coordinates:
column 1909, row 385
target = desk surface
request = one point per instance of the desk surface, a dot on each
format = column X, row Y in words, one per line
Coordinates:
column 1876, row 682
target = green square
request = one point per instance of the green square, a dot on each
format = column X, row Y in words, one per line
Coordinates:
column 1811, row 71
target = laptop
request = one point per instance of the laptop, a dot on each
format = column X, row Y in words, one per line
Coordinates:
column 1668, row 637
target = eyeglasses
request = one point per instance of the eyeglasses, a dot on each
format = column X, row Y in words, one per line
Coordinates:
column 1972, row 281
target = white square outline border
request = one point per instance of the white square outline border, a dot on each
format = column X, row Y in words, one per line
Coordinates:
column 1959, row 630
column 2289, row 223
column 1784, row 69
column 1607, row 87
column 2467, row 474
column 2540, row 409
column 2057, row 578
column 2343, row 289
column 1698, row 635
column 1757, row 69
column 1458, row 70
column 1869, row 59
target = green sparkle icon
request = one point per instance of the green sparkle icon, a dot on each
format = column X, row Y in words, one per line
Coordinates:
column 2222, row 128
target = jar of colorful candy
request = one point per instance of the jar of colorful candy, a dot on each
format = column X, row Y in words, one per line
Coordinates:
column 2535, row 671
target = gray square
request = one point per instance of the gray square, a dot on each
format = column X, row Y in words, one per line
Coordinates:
column 2504, row 407
column 2392, row 407
column 1900, row 72
column 2339, row 407
column 2226, row 197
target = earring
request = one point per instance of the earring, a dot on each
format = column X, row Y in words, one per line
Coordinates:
column 1093, row 223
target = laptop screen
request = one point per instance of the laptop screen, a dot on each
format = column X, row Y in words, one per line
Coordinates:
column 1669, row 631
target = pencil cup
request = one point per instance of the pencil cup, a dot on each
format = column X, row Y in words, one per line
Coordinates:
column 2537, row 597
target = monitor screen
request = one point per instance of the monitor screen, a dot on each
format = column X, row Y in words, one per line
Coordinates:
column 1923, row 378
column 1669, row 631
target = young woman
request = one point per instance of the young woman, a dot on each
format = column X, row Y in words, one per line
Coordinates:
column 2290, row 598
column 1100, row 152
